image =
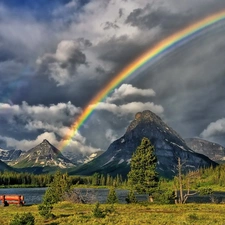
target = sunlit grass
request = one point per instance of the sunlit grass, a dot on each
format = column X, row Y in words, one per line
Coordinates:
column 70, row 214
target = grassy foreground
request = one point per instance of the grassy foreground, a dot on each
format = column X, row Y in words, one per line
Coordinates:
column 71, row 214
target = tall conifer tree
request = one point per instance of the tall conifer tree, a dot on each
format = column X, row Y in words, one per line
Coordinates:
column 143, row 176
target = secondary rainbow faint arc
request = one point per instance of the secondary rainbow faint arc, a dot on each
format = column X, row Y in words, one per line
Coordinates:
column 149, row 55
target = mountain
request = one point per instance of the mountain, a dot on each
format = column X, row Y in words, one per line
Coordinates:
column 168, row 146
column 43, row 155
column 77, row 158
column 214, row 151
column 5, row 167
column 90, row 157
column 9, row 155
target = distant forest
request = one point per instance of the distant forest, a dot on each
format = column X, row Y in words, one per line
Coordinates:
column 43, row 180
column 202, row 177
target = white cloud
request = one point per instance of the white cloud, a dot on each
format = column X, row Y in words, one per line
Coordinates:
column 62, row 65
column 111, row 135
column 58, row 129
column 48, row 120
column 214, row 129
column 28, row 144
column 129, row 108
column 74, row 145
column 55, row 113
column 126, row 90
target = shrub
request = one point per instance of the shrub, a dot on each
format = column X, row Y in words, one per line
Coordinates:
column 45, row 210
column 98, row 212
column 101, row 213
column 23, row 219
column 205, row 191
column 110, row 209
column 112, row 197
column 131, row 198
column 165, row 197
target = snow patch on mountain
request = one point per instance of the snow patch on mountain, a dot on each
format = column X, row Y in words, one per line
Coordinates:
column 121, row 161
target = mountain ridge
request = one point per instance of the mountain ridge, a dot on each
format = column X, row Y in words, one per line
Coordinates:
column 42, row 155
column 212, row 150
column 9, row 155
column 168, row 147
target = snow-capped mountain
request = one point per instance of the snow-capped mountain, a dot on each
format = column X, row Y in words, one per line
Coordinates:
column 44, row 154
column 77, row 158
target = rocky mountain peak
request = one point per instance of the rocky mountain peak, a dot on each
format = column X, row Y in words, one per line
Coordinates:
column 168, row 144
column 45, row 141
column 44, row 154
column 144, row 117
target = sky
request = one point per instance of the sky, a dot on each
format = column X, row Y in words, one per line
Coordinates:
column 55, row 56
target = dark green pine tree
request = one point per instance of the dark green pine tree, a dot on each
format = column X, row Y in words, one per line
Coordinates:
column 112, row 197
column 143, row 176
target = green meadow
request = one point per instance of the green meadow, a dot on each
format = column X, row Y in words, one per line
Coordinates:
column 71, row 214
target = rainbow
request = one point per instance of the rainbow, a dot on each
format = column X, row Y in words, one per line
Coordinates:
column 150, row 55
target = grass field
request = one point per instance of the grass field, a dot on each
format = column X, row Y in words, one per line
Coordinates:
column 71, row 214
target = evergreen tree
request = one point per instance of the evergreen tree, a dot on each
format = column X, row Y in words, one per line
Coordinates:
column 60, row 185
column 131, row 198
column 96, row 179
column 143, row 176
column 112, row 197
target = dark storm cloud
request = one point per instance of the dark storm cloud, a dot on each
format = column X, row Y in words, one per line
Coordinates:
column 65, row 54
column 109, row 25
column 6, row 54
column 121, row 13
column 189, row 84
column 62, row 65
column 84, row 42
column 148, row 17
column 121, row 51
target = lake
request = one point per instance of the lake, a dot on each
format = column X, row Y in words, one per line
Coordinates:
column 31, row 195
column 34, row 195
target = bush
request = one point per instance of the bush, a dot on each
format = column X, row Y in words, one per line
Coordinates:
column 112, row 197
column 45, row 210
column 205, row 191
column 98, row 212
column 131, row 198
column 23, row 219
column 165, row 197
column 101, row 213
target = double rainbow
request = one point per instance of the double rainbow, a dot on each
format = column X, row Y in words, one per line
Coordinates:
column 151, row 54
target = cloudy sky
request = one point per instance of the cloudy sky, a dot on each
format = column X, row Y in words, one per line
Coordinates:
column 56, row 55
